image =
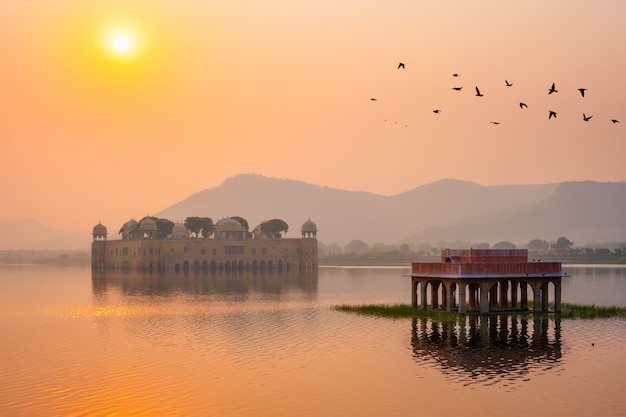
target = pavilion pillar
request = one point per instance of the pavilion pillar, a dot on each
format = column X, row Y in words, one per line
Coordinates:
column 524, row 295
column 450, row 300
column 537, row 299
column 462, row 302
column 544, row 297
column 514, row 285
column 557, row 296
column 414, row 285
column 423, row 291
column 484, row 298
column 444, row 295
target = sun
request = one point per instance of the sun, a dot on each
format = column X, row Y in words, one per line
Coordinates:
column 121, row 43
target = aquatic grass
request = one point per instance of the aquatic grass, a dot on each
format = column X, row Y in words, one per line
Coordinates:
column 581, row 311
column 395, row 311
column 400, row 311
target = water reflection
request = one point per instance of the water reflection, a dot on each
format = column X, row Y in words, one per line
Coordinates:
column 204, row 282
column 488, row 350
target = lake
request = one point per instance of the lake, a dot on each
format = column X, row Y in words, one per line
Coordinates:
column 269, row 344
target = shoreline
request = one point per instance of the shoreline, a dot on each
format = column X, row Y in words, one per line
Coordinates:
column 77, row 257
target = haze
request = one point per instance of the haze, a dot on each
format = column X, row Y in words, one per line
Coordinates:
column 121, row 108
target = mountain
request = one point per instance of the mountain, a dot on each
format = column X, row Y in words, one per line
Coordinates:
column 446, row 210
column 584, row 212
column 32, row 235
column 345, row 215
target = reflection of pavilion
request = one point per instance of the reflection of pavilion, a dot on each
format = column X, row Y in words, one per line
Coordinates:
column 481, row 349
column 204, row 282
column 485, row 281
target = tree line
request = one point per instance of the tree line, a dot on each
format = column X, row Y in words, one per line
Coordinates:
column 562, row 246
column 203, row 227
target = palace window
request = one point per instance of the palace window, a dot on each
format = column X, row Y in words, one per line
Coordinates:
column 233, row 250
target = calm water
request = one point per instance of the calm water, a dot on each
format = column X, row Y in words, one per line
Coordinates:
column 270, row 345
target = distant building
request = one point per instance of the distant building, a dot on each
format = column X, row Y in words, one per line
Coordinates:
column 231, row 249
column 485, row 281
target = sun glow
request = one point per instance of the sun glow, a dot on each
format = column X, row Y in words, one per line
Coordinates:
column 123, row 41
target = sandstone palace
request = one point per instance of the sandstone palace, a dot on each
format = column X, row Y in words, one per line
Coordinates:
column 229, row 247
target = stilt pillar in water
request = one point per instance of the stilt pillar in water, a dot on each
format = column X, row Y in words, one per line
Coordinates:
column 537, row 299
column 462, row 301
column 484, row 298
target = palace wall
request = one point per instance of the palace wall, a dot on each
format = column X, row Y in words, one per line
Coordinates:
column 205, row 254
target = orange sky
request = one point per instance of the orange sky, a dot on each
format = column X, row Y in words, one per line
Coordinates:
column 207, row 90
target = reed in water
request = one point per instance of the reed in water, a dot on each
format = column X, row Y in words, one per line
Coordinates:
column 397, row 311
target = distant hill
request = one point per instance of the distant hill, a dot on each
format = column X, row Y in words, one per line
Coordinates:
column 447, row 210
column 584, row 212
column 31, row 235
column 345, row 215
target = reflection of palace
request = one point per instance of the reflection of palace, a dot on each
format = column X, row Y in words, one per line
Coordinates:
column 485, row 348
column 231, row 248
column 204, row 282
column 485, row 280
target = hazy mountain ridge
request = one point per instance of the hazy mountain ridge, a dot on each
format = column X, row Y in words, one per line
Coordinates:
column 446, row 210
column 29, row 234
column 585, row 212
column 443, row 210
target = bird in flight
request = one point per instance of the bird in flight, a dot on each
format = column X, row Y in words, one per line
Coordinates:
column 586, row 118
column 455, row 75
column 522, row 105
column 400, row 65
column 374, row 99
column 495, row 123
column 552, row 89
column 552, row 114
column 457, row 88
column 582, row 91
column 615, row 120
column 436, row 111
column 478, row 94
column 508, row 84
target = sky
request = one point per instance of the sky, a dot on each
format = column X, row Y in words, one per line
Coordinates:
column 119, row 109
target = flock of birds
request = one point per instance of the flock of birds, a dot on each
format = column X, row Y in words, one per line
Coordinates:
column 522, row 105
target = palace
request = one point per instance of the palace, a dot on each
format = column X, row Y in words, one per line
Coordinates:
column 231, row 248
column 486, row 281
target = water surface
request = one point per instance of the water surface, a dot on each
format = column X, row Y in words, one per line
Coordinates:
column 270, row 344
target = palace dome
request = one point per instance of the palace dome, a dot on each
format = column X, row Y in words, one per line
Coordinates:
column 309, row 226
column 130, row 225
column 229, row 225
column 100, row 230
column 179, row 231
column 147, row 224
